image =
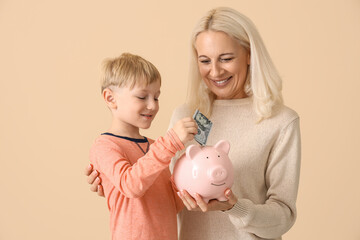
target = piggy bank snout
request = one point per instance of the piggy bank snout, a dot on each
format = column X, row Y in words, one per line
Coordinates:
column 217, row 174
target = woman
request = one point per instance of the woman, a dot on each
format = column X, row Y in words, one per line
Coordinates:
column 233, row 80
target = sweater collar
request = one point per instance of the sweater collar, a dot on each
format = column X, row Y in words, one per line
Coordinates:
column 233, row 102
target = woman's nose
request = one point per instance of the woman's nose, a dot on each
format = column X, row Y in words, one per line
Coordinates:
column 215, row 70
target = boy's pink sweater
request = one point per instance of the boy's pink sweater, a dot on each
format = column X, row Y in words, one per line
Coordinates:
column 139, row 193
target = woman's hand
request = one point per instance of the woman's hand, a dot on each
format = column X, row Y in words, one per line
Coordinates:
column 94, row 180
column 198, row 204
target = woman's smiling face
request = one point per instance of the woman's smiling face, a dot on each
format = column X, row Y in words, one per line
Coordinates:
column 223, row 64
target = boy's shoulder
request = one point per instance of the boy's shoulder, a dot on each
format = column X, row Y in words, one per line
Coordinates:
column 106, row 143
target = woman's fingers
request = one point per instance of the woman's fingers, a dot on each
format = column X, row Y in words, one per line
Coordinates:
column 201, row 203
column 88, row 170
column 231, row 197
column 92, row 177
column 186, row 204
column 95, row 185
column 100, row 191
column 188, row 201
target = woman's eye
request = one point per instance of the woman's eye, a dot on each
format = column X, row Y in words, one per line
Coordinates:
column 226, row 59
column 142, row 98
column 205, row 61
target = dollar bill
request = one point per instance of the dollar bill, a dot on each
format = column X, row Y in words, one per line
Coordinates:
column 204, row 127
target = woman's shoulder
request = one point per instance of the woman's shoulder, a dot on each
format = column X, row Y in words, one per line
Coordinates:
column 182, row 111
column 183, row 108
column 284, row 114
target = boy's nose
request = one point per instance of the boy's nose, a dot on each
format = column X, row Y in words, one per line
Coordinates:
column 152, row 104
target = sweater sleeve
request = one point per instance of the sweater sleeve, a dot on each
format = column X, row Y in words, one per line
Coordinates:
column 276, row 216
column 134, row 180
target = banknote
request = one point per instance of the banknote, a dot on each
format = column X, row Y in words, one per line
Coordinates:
column 204, row 127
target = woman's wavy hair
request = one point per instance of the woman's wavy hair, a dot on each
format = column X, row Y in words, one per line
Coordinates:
column 263, row 82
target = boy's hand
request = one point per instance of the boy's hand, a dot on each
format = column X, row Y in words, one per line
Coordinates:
column 185, row 129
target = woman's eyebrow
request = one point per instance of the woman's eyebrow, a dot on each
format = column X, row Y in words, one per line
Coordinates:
column 221, row 55
column 202, row 56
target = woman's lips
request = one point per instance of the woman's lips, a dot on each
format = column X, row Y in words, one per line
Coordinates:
column 221, row 83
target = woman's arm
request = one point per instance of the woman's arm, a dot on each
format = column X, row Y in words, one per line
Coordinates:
column 277, row 215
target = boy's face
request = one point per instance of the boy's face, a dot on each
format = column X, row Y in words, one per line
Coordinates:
column 137, row 107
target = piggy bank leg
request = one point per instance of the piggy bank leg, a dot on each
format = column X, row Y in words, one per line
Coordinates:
column 206, row 200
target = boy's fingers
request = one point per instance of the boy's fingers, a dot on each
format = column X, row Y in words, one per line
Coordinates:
column 194, row 130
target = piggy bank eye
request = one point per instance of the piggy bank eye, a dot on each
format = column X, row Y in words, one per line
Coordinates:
column 218, row 155
column 207, row 157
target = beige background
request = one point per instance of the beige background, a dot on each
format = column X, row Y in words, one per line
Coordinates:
column 51, row 109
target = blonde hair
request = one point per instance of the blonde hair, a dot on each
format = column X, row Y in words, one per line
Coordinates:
column 128, row 70
column 263, row 82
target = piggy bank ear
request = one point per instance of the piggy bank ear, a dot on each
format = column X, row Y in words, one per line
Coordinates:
column 223, row 145
column 192, row 150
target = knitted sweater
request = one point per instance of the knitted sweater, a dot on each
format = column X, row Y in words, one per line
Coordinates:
column 138, row 190
column 266, row 159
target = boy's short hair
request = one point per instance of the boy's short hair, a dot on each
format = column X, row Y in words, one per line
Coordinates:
column 128, row 70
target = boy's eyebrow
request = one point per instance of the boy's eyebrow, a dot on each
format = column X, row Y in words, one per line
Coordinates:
column 143, row 90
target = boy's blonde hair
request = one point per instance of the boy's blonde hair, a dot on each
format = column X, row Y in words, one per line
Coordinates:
column 128, row 70
column 263, row 81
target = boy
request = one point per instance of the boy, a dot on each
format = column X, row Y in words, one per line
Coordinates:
column 136, row 177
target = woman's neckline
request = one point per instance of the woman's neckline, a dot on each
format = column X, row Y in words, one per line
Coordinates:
column 238, row 101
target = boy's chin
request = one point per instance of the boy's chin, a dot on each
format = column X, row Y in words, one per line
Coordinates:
column 147, row 126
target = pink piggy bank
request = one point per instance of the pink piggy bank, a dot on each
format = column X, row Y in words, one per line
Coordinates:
column 205, row 170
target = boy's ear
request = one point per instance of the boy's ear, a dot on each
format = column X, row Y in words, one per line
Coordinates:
column 109, row 98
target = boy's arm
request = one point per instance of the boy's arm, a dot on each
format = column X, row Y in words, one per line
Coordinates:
column 134, row 180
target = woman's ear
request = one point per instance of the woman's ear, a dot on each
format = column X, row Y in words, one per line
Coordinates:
column 109, row 98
